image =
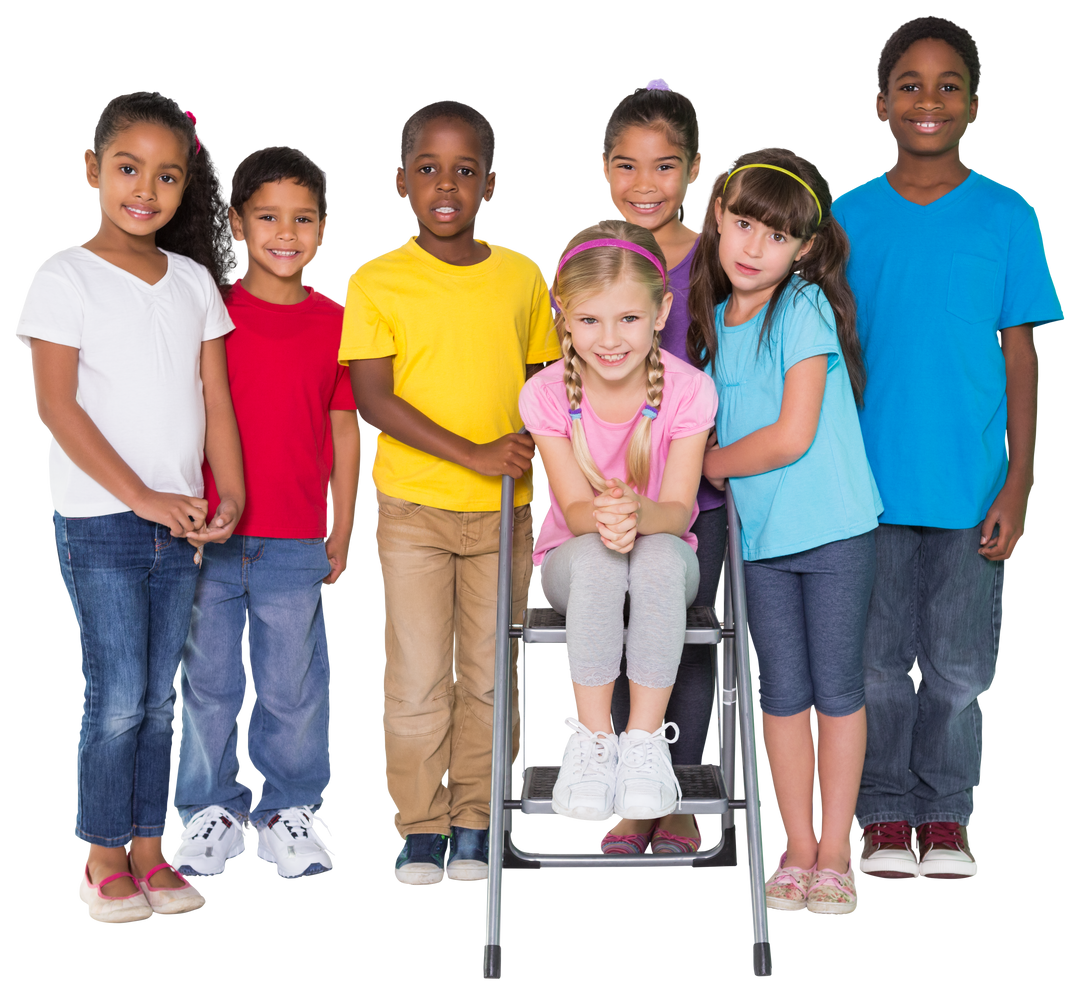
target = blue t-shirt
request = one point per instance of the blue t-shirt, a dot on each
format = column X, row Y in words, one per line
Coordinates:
column 829, row 493
column 934, row 284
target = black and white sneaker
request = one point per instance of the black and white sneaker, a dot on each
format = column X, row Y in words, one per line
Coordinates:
column 210, row 838
column 290, row 841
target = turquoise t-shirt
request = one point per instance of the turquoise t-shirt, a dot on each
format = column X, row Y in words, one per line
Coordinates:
column 934, row 284
column 829, row 493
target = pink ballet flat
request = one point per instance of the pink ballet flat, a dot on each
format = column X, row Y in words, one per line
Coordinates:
column 788, row 886
column 169, row 901
column 626, row 843
column 113, row 908
column 665, row 842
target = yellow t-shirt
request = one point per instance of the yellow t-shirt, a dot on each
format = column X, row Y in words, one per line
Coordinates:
column 461, row 337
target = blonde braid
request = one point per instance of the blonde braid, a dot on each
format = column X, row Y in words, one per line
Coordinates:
column 572, row 380
column 639, row 453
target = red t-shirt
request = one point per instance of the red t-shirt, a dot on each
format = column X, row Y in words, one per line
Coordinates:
column 285, row 379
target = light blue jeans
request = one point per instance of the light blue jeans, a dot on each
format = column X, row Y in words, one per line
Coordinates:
column 274, row 585
column 131, row 584
column 935, row 601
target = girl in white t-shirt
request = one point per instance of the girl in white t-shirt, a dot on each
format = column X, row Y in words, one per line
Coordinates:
column 621, row 428
column 129, row 367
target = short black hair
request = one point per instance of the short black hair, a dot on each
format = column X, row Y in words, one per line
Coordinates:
column 921, row 29
column 448, row 109
column 277, row 164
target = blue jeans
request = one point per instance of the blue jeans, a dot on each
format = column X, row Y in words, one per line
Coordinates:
column 277, row 583
column 938, row 602
column 131, row 584
column 807, row 615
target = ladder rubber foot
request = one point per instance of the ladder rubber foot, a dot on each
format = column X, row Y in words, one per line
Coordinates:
column 491, row 962
column 762, row 960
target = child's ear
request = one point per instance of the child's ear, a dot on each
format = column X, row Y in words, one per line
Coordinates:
column 973, row 109
column 882, row 107
column 718, row 211
column 607, row 175
column 695, row 165
column 401, row 189
column 665, row 310
column 489, row 188
column 92, row 168
column 806, row 247
column 322, row 227
column 236, row 224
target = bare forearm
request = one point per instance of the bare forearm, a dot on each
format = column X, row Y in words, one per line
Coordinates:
column 223, row 452
column 402, row 421
column 761, row 451
column 663, row 517
column 1021, row 393
column 345, row 475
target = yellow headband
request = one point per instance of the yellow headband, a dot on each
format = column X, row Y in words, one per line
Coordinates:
column 782, row 170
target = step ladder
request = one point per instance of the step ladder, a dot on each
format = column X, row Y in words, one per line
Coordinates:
column 707, row 790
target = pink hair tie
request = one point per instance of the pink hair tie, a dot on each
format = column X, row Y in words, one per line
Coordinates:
column 622, row 244
column 191, row 116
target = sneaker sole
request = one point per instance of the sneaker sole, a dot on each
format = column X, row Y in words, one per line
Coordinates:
column 467, row 870
column 187, row 869
column 889, row 869
column 419, row 873
column 947, row 869
column 831, row 908
column 583, row 812
column 787, row 905
column 314, row 868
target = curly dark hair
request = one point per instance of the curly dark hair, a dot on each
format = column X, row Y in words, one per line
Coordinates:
column 780, row 202
column 919, row 30
column 275, row 162
column 656, row 108
column 448, row 109
column 200, row 227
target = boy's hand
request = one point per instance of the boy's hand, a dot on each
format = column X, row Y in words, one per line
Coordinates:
column 183, row 514
column 221, row 527
column 337, row 553
column 1006, row 513
column 510, row 455
column 616, row 515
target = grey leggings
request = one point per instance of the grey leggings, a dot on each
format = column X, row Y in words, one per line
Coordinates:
column 588, row 583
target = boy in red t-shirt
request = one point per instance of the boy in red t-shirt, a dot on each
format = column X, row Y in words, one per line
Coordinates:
column 299, row 432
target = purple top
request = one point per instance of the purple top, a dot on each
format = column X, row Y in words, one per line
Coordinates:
column 673, row 340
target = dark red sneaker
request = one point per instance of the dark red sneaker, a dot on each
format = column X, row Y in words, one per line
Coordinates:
column 944, row 851
column 887, row 850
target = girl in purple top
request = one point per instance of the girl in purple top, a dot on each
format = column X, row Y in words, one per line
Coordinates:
column 650, row 158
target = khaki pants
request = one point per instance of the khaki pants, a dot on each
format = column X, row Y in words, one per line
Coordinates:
column 440, row 571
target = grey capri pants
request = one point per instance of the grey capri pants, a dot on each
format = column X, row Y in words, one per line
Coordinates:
column 588, row 583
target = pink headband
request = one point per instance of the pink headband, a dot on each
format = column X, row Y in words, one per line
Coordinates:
column 622, row 244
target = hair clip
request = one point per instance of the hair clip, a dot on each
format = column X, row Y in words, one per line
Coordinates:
column 575, row 414
column 191, row 116
column 649, row 412
column 659, row 84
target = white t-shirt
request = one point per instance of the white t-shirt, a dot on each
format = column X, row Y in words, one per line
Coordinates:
column 139, row 379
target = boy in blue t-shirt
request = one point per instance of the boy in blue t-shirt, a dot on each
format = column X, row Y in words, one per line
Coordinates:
column 942, row 261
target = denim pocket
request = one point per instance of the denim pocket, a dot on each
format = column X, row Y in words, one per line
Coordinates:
column 393, row 508
column 972, row 295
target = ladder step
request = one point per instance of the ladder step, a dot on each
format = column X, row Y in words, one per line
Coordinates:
column 702, row 788
column 547, row 625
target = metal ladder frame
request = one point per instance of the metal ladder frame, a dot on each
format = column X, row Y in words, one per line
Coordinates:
column 736, row 681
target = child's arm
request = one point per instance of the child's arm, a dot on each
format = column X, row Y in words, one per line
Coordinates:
column 222, row 443
column 343, row 481
column 622, row 514
column 56, row 382
column 1021, row 393
column 373, row 389
column 785, row 441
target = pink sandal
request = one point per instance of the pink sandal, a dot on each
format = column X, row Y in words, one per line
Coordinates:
column 665, row 842
column 626, row 843
column 169, row 901
column 113, row 908
column 788, row 886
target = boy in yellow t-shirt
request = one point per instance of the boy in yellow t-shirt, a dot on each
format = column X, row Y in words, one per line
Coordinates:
column 440, row 336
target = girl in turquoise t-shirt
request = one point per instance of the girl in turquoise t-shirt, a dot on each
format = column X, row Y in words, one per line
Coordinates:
column 774, row 322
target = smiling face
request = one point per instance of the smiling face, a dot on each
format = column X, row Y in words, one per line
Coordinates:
column 929, row 103
column 649, row 176
column 140, row 177
column 445, row 179
column 755, row 257
column 612, row 331
column 280, row 224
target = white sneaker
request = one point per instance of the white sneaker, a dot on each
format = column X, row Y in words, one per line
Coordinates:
column 646, row 787
column 210, row 838
column 585, row 789
column 290, row 841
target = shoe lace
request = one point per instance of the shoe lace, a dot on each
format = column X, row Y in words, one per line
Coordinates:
column 299, row 821
column 593, row 750
column 643, row 755
column 893, row 832
column 942, row 833
column 203, row 823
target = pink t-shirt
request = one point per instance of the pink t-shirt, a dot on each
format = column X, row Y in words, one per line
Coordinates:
column 688, row 407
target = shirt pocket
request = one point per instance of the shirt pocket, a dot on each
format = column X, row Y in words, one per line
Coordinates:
column 973, row 296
